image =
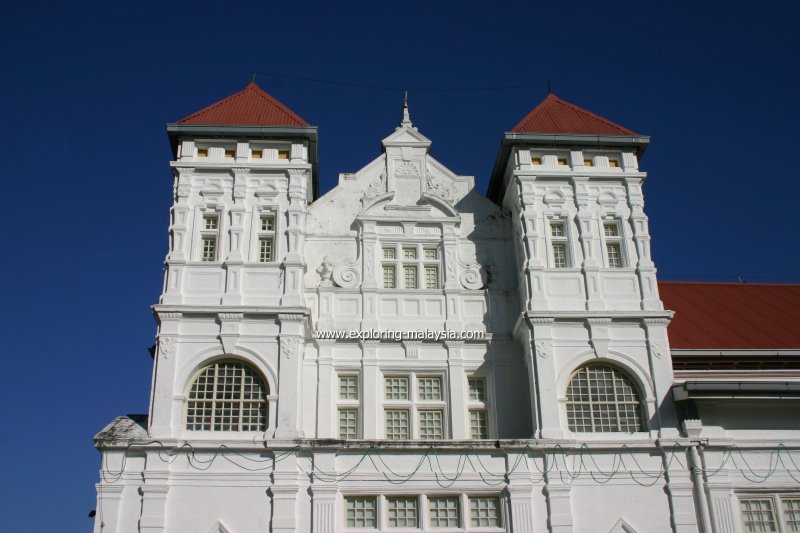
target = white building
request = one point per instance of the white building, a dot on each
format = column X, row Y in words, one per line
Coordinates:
column 552, row 402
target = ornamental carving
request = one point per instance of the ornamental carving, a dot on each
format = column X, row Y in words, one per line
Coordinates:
column 406, row 168
column 346, row 275
column 325, row 270
column 542, row 349
column 473, row 277
column 658, row 349
column 166, row 346
column 437, row 187
column 289, row 346
column 377, row 187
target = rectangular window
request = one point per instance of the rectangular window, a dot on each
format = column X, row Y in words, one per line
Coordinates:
column 230, row 153
column 388, row 253
column 348, row 387
column 758, row 514
column 210, row 223
column 209, row 249
column 613, row 163
column 559, row 255
column 397, row 424
column 557, row 230
column 202, row 152
column 791, row 513
column 268, row 223
column 409, row 253
column 256, row 154
column 410, row 277
column 431, row 277
column 536, row 160
column 477, row 389
column 484, row 512
column 361, row 512
column 388, row 277
column 588, row 163
column 348, row 423
column 402, row 511
column 265, row 249
column 429, row 388
column 430, row 424
column 611, row 230
column 444, row 512
column 478, row 424
column 397, row 388
column 431, row 254
column 283, row 154
column 562, row 161
column 614, row 255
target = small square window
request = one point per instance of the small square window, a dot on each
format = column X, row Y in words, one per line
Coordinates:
column 348, row 423
column 484, row 512
column 430, row 424
column 388, row 277
column 348, row 387
column 536, row 160
column 429, row 388
column 557, row 230
column 202, row 152
column 361, row 512
column 257, row 154
column 562, row 161
column 409, row 253
column 431, row 253
column 611, row 230
column 388, row 253
column 397, row 388
column 478, row 424
column 267, row 223
column 477, row 389
column 588, row 163
column 283, row 154
column 613, row 163
column 210, row 223
column 230, row 153
column 410, row 277
column 402, row 511
column 265, row 249
column 397, row 424
column 444, row 512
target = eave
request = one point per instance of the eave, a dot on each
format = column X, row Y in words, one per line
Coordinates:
column 736, row 390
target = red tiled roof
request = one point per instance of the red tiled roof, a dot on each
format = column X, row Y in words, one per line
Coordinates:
column 732, row 315
column 554, row 115
column 251, row 106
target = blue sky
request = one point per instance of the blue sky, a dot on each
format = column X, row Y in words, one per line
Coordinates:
column 88, row 88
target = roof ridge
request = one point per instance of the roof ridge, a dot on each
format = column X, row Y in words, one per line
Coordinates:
column 250, row 100
column 556, row 115
column 579, row 109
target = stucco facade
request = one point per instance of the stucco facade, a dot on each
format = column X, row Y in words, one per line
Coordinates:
column 470, row 432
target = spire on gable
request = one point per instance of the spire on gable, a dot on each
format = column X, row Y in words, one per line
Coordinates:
column 406, row 117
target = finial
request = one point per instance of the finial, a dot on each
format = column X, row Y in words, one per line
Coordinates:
column 253, row 79
column 549, row 89
column 406, row 116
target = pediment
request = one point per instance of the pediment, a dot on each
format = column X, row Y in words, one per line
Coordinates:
column 427, row 207
column 407, row 136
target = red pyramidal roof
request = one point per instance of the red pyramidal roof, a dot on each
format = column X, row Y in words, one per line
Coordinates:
column 251, row 106
column 732, row 315
column 555, row 115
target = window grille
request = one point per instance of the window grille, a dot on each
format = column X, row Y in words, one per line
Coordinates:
column 348, row 387
column 388, row 277
column 209, row 249
column 477, row 389
column 402, row 511
column 397, row 424
column 478, row 424
column 361, row 512
column 227, row 396
column 410, row 277
column 429, row 388
column 601, row 398
column 758, row 514
column 348, row 423
column 430, row 424
column 558, row 242
column 613, row 245
column 431, row 277
column 397, row 388
column 265, row 249
column 484, row 512
column 444, row 512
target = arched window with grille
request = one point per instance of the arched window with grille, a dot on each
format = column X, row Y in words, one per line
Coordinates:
column 227, row 396
column 602, row 398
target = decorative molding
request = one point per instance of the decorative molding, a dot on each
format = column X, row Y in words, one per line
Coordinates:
column 406, row 168
column 325, row 270
column 347, row 275
column 692, row 427
column 658, row 349
column 473, row 277
column 543, row 349
column 437, row 187
column 289, row 346
column 622, row 527
column 166, row 346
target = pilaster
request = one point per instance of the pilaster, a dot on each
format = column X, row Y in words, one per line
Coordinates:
column 326, row 390
column 109, row 499
column 456, row 386
column 292, row 345
column 154, row 497
column 373, row 388
column 590, row 266
column 285, row 491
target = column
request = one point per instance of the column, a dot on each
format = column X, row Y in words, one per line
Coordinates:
column 458, row 394
column 558, row 496
column 585, row 223
column 520, row 493
column 292, row 345
column 163, row 407
column 373, row 390
column 108, row 504
column 645, row 269
column 285, row 491
column 532, row 263
column 294, row 263
column 154, row 496
column 543, row 363
column 326, row 390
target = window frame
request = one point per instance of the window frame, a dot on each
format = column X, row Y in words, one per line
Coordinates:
column 203, row 233
column 619, row 240
column 268, row 211
column 776, row 500
column 187, row 398
column 637, row 390
column 480, row 405
column 564, row 240
column 348, row 404
column 414, row 405
column 420, row 262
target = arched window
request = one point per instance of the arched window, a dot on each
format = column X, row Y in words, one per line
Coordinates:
column 227, row 396
column 602, row 398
